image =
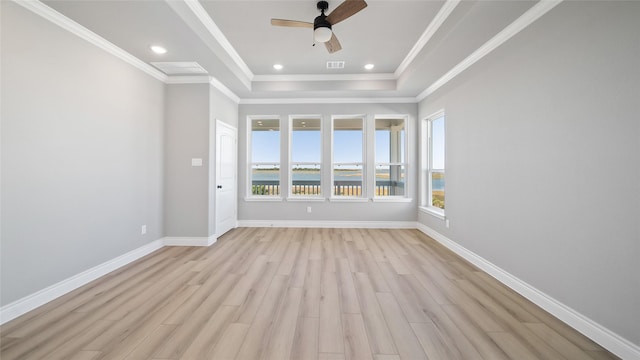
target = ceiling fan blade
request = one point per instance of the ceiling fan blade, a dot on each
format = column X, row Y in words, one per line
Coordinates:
column 333, row 44
column 345, row 10
column 291, row 23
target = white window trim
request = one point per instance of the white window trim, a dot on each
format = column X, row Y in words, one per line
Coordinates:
column 394, row 198
column 363, row 197
column 248, row 193
column 290, row 196
column 426, row 167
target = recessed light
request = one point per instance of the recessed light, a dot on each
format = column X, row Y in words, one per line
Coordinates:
column 277, row 67
column 158, row 49
column 369, row 66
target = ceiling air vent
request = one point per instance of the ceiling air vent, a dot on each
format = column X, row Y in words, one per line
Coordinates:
column 335, row 64
column 180, row 68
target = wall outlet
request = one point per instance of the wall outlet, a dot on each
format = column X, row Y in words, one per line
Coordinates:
column 308, row 209
column 143, row 230
column 446, row 223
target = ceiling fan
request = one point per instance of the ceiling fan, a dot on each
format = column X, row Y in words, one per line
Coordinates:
column 323, row 23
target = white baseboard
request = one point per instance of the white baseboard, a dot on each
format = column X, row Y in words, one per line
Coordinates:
column 189, row 241
column 30, row 302
column 329, row 224
column 596, row 332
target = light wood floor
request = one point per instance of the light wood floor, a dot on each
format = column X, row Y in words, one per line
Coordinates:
column 268, row 293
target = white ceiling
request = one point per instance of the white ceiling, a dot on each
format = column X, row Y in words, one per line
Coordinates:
column 412, row 43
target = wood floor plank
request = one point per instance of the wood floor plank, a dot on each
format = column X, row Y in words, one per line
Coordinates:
column 372, row 269
column 229, row 345
column 449, row 332
column 565, row 347
column 292, row 293
column 311, row 294
column 284, row 329
column 247, row 311
column 209, row 311
column 479, row 338
column 316, row 245
column 433, row 344
column 329, row 356
column 348, row 295
column 76, row 343
column 240, row 291
column 330, row 339
column 386, row 357
column 151, row 344
column 503, row 292
column 356, row 342
column 85, row 355
column 305, row 345
column 377, row 330
column 289, row 259
column 300, row 268
column 404, row 294
column 202, row 343
column 514, row 348
column 328, row 252
column 403, row 336
column 137, row 331
column 258, row 335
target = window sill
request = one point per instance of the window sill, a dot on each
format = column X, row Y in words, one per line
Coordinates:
column 306, row 198
column 435, row 212
column 348, row 199
column 263, row 198
column 394, row 199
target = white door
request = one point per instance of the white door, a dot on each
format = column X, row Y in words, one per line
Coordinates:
column 226, row 156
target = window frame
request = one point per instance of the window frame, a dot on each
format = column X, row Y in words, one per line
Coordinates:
column 249, row 179
column 405, row 164
column 426, row 142
column 290, row 195
column 363, row 191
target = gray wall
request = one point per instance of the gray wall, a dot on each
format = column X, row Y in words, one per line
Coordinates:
column 81, row 155
column 186, row 137
column 325, row 211
column 543, row 169
column 191, row 112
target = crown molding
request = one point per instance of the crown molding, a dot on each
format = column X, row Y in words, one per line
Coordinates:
column 186, row 79
column 206, row 79
column 201, row 13
column 526, row 19
column 82, row 32
column 223, row 89
column 282, row 101
column 442, row 15
column 325, row 77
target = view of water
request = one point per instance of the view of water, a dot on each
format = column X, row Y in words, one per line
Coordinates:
column 438, row 184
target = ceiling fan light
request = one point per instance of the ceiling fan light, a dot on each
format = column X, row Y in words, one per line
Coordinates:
column 322, row 34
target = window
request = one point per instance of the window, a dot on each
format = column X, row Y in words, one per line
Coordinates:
column 390, row 157
column 348, row 145
column 433, row 164
column 264, row 151
column 306, row 157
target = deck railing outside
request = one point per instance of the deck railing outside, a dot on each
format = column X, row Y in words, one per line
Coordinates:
column 340, row 187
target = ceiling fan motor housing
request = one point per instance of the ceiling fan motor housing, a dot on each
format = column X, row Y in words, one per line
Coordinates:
column 322, row 5
column 321, row 20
